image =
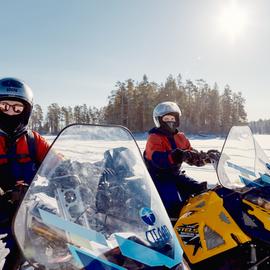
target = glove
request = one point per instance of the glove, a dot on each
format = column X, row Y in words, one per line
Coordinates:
column 194, row 157
column 213, row 155
column 14, row 195
column 178, row 155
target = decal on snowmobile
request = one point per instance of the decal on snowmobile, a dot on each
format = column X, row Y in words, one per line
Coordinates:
column 260, row 213
column 190, row 235
column 147, row 216
column 265, row 178
column 249, row 183
column 240, row 169
column 201, row 204
column 89, row 261
column 72, row 227
column 146, row 255
column 157, row 236
column 224, row 218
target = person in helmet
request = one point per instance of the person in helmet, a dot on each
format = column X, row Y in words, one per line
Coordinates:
column 166, row 149
column 21, row 153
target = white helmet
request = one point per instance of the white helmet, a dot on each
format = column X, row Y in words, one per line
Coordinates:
column 164, row 108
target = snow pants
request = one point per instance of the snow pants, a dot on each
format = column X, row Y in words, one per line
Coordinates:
column 174, row 190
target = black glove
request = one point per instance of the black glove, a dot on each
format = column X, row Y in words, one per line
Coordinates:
column 213, row 155
column 14, row 195
column 178, row 155
column 194, row 157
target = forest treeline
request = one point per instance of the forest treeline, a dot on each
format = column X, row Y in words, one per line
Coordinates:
column 205, row 109
column 260, row 126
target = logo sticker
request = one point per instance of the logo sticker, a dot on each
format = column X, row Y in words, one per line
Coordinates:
column 157, row 235
column 147, row 216
column 12, row 89
column 190, row 235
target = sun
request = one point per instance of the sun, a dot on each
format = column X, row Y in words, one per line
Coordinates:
column 233, row 20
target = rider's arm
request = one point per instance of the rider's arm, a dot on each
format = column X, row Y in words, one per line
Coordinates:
column 42, row 147
column 196, row 158
column 191, row 155
column 158, row 152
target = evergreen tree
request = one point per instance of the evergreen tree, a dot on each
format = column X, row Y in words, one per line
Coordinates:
column 53, row 118
column 226, row 110
column 36, row 119
column 213, row 110
column 131, row 104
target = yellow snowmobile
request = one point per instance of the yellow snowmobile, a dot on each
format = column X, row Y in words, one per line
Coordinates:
column 228, row 227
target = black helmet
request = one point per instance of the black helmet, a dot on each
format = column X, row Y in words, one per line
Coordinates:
column 15, row 89
column 11, row 88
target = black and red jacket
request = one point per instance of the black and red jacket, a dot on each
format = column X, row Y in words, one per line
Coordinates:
column 17, row 160
column 159, row 146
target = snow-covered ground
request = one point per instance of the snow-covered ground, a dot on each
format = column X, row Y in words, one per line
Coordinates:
column 206, row 173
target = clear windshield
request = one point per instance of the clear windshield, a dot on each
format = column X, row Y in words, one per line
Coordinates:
column 243, row 162
column 93, row 204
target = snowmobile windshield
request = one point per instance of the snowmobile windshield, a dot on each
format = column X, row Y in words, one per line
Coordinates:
column 243, row 163
column 93, row 205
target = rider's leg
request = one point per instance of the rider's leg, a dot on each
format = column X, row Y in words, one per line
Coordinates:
column 188, row 186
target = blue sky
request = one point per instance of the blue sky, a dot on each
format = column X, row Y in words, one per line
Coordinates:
column 74, row 51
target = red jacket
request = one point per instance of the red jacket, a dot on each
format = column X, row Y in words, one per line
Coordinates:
column 159, row 146
column 16, row 162
column 42, row 148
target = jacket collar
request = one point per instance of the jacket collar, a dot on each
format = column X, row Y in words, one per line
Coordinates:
column 15, row 136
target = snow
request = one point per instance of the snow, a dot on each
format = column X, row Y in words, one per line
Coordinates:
column 205, row 173
column 3, row 251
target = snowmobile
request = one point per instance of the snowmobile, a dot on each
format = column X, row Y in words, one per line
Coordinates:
column 228, row 227
column 93, row 205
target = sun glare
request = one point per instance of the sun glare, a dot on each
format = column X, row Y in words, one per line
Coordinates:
column 233, row 20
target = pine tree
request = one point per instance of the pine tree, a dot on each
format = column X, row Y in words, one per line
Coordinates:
column 36, row 119
column 53, row 118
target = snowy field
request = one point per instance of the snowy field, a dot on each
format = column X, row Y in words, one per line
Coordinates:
column 206, row 173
